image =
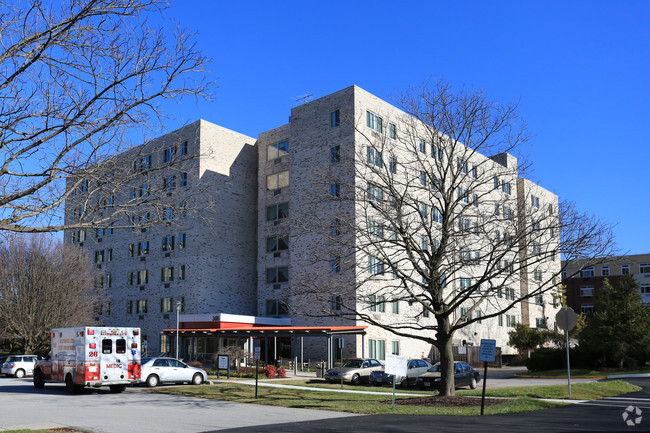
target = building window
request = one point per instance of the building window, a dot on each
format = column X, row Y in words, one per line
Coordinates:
column 394, row 306
column 392, row 164
column 373, row 157
column 506, row 187
column 143, row 248
column 392, row 130
column 644, row 268
column 167, row 274
column 129, row 307
column 335, row 265
column 335, row 118
column 625, row 269
column 436, row 214
column 463, row 312
column 181, row 240
column 99, row 256
column 170, row 183
column 604, row 271
column 534, row 201
column 277, row 211
column 277, row 180
column 335, row 189
column 169, row 154
column 540, row 323
column 277, row 243
column 394, row 348
column 375, row 122
column 276, row 307
column 474, row 171
column 277, row 150
column 436, row 152
column 381, row 304
column 587, row 272
column 539, row 300
column 375, row 266
column 335, row 154
column 141, row 306
column 131, row 278
column 278, row 274
column 166, row 304
column 465, row 284
column 461, row 165
column 143, row 277
column 336, row 303
column 169, row 214
column 423, row 210
column 181, row 273
column 587, row 309
column 506, row 213
column 183, row 179
column 109, row 281
column 375, row 193
column 335, row 227
column 500, row 319
column 422, row 147
column 537, row 275
column 377, row 349
column 586, row 291
column 423, row 178
column 168, row 243
column 511, row 320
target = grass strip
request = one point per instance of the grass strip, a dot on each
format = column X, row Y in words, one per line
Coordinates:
column 580, row 373
column 579, row 391
column 341, row 402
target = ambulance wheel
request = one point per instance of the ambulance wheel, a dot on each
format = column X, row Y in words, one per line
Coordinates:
column 152, row 380
column 69, row 385
column 39, row 381
column 197, row 379
column 117, row 388
column 19, row 373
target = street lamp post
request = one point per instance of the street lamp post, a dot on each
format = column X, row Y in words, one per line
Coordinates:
column 178, row 315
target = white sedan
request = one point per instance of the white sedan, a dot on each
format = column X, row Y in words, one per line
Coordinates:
column 170, row 370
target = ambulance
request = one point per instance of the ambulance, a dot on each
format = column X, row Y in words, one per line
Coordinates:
column 91, row 357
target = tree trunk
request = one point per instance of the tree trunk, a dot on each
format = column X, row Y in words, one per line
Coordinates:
column 444, row 345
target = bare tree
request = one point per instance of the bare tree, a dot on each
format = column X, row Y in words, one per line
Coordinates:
column 438, row 216
column 79, row 78
column 44, row 285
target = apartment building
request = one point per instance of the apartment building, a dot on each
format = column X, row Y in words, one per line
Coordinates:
column 185, row 204
column 315, row 180
column 284, row 228
column 583, row 281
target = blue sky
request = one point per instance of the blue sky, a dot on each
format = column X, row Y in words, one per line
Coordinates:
column 579, row 69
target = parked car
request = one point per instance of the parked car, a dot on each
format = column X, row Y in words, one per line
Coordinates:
column 170, row 370
column 354, row 370
column 464, row 375
column 19, row 365
column 415, row 368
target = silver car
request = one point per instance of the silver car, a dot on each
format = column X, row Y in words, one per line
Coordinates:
column 354, row 371
column 170, row 370
column 19, row 365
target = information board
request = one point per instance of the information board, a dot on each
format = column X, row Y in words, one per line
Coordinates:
column 488, row 350
column 396, row 364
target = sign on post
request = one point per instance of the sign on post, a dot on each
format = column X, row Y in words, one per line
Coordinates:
column 566, row 319
column 488, row 350
column 486, row 354
column 397, row 366
column 257, row 350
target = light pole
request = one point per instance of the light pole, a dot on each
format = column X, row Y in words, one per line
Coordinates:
column 178, row 315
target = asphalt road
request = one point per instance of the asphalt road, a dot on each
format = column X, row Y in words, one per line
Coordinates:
column 136, row 410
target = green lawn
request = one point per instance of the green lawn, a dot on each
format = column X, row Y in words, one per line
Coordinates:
column 342, row 402
column 321, row 383
column 581, row 373
column 579, row 391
